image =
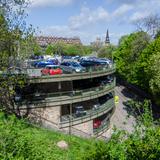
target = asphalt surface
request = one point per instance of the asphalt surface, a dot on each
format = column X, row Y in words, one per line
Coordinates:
column 121, row 119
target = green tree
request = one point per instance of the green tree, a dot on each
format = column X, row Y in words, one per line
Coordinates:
column 106, row 51
column 88, row 50
column 150, row 60
column 15, row 46
column 68, row 49
column 74, row 49
column 127, row 56
column 50, row 50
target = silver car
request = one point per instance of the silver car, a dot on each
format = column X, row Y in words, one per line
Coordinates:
column 72, row 67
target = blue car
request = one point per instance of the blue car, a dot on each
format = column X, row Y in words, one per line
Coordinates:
column 43, row 64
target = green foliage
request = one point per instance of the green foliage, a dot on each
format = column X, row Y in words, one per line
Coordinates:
column 137, row 60
column 152, row 68
column 19, row 140
column 73, row 50
column 68, row 49
column 88, row 50
column 142, row 144
column 106, row 51
column 128, row 53
column 16, row 44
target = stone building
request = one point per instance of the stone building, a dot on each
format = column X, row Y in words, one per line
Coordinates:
column 43, row 41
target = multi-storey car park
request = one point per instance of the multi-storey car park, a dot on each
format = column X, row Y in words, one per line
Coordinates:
column 77, row 103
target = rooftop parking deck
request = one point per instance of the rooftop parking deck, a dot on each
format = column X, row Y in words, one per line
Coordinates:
column 34, row 75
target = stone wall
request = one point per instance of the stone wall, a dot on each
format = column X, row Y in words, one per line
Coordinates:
column 47, row 117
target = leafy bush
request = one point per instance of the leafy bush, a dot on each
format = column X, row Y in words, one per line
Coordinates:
column 143, row 144
column 20, row 141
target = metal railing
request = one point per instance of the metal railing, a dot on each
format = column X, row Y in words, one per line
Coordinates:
column 102, row 128
column 90, row 114
column 34, row 75
column 38, row 96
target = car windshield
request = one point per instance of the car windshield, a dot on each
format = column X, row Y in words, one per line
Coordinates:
column 52, row 67
column 55, row 67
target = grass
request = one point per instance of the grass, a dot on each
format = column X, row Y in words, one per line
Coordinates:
column 22, row 141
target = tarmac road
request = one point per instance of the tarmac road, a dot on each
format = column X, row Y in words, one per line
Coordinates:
column 121, row 119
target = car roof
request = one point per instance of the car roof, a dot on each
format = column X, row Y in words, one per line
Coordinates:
column 52, row 65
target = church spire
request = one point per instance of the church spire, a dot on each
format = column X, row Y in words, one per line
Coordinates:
column 107, row 41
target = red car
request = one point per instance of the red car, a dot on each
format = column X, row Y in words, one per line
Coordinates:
column 51, row 70
column 96, row 124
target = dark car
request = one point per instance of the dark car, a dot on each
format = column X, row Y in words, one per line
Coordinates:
column 71, row 67
column 110, row 79
column 36, row 57
column 79, row 111
column 105, row 98
column 87, row 63
column 109, row 96
column 18, row 98
column 12, row 71
column 92, row 62
column 105, row 81
column 43, row 64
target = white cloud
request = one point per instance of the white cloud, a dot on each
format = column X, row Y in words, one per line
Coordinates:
column 144, row 9
column 122, row 10
column 83, row 23
column 44, row 3
column 138, row 16
column 123, row 1
column 87, row 17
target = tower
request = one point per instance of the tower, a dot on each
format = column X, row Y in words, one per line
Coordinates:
column 107, row 41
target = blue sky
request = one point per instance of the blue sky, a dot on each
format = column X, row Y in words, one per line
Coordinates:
column 89, row 19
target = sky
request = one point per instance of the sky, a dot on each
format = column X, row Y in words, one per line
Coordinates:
column 89, row 19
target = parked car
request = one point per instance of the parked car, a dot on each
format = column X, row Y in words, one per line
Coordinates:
column 108, row 61
column 109, row 96
column 106, row 81
column 96, row 123
column 92, row 62
column 18, row 98
column 110, row 79
column 71, row 67
column 12, row 71
column 87, row 63
column 79, row 111
column 105, row 98
column 34, row 57
column 42, row 64
column 51, row 70
column 96, row 106
column 54, row 61
column 77, row 58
